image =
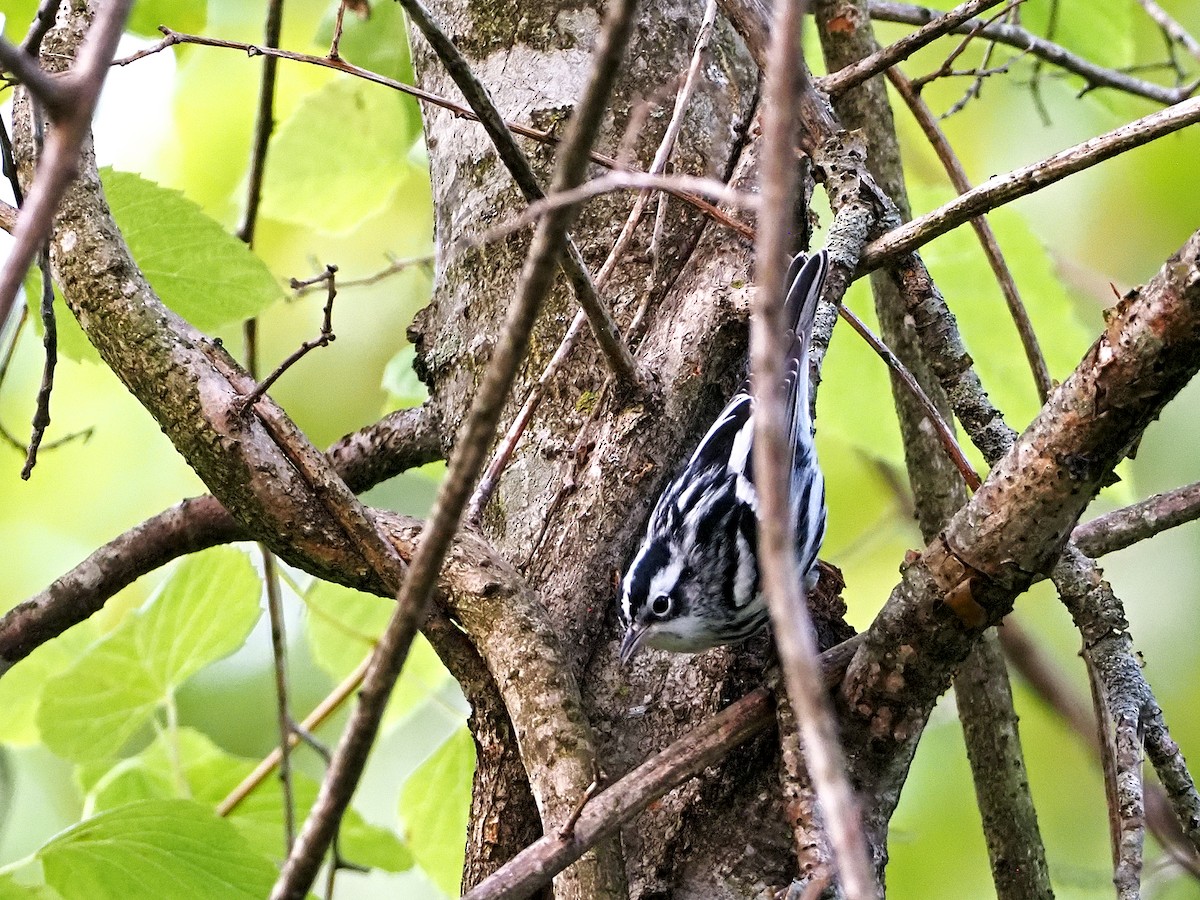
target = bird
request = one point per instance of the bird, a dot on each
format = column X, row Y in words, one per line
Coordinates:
column 694, row 582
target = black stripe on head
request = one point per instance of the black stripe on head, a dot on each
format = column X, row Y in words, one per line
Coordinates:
column 654, row 560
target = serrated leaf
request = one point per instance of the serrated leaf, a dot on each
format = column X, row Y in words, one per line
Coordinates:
column 203, row 613
column 340, row 156
column 435, row 803
column 198, row 269
column 22, row 687
column 182, row 15
column 94, row 708
column 158, row 850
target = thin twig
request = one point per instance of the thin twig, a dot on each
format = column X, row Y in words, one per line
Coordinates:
column 41, row 414
column 1005, row 188
column 393, row 267
column 465, row 466
column 264, row 123
column 949, row 442
column 844, row 79
column 1127, row 526
column 324, row 339
column 791, row 621
column 282, row 705
column 1014, row 36
column 987, row 237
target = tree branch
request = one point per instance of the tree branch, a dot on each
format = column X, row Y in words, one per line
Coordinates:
column 791, row 622
column 1001, row 189
column 1027, row 42
column 70, row 105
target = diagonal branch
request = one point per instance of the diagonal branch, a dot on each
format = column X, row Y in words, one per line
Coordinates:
column 791, row 621
column 1001, row 189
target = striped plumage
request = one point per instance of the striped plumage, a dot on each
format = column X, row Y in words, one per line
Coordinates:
column 694, row 582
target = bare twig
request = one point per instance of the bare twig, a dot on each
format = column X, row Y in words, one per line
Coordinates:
column 416, row 593
column 1126, row 526
column 1014, row 36
column 1005, row 188
column 844, row 79
column 1171, row 28
column 987, row 237
column 70, row 106
column 393, row 267
column 41, row 414
column 791, row 621
column 324, row 339
column 264, row 123
column 282, row 705
column 945, row 435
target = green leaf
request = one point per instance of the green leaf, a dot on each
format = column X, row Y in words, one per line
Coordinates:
column 1102, row 36
column 338, row 159
column 436, row 803
column 203, row 613
column 18, row 15
column 182, row 15
column 157, row 849
column 192, row 766
column 198, row 269
column 400, row 380
column 22, row 687
column 342, row 627
column 11, row 890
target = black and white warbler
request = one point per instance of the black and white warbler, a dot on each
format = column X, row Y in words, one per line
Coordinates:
column 694, row 582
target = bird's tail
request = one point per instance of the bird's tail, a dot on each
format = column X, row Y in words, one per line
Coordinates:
column 805, row 278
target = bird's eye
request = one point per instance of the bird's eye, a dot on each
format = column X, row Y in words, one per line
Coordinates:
column 661, row 605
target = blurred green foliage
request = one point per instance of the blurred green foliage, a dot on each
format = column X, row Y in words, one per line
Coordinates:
column 148, row 713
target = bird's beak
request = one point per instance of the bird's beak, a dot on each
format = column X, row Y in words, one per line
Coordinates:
column 632, row 642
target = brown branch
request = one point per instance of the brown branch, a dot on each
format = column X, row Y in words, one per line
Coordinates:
column 1001, row 189
column 791, row 621
column 1127, row 526
column 1026, row 41
column 869, row 67
column 402, row 440
column 70, row 105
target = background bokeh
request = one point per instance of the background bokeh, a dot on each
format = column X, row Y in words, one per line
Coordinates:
column 347, row 184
